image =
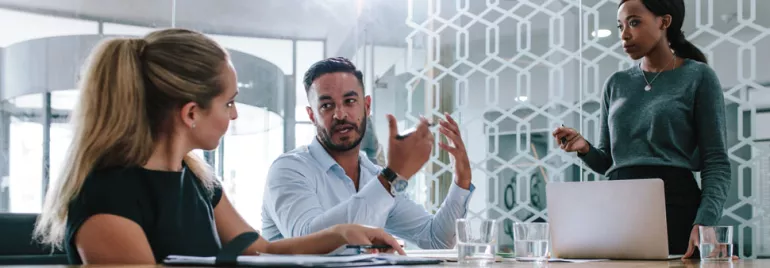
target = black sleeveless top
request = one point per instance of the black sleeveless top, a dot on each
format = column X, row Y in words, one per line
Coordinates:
column 174, row 209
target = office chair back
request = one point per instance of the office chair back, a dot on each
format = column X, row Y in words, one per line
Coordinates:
column 17, row 246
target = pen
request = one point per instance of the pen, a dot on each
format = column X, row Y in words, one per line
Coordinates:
column 370, row 246
column 410, row 131
column 362, row 249
column 563, row 139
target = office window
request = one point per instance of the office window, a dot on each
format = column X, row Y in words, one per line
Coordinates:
column 275, row 51
column 39, row 26
column 22, row 178
column 127, row 30
column 25, row 153
column 253, row 141
column 308, row 52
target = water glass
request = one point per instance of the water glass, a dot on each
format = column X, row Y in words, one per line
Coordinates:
column 716, row 243
column 531, row 240
column 476, row 241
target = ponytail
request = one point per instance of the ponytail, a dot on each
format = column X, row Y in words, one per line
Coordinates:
column 110, row 119
column 684, row 48
column 128, row 91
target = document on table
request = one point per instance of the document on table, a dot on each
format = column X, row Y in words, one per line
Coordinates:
column 530, row 259
column 441, row 254
column 305, row 260
column 449, row 255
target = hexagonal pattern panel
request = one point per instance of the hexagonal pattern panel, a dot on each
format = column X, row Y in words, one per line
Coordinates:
column 518, row 69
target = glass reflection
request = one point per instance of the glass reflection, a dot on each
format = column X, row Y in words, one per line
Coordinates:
column 251, row 144
column 25, row 154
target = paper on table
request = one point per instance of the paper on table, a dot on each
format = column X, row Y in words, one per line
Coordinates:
column 532, row 259
column 270, row 259
column 442, row 254
column 303, row 260
column 439, row 254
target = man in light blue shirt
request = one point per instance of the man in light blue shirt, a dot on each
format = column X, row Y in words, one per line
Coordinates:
column 332, row 182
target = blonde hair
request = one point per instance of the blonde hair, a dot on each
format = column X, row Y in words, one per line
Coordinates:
column 127, row 93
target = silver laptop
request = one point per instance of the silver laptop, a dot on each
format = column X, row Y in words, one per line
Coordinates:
column 621, row 219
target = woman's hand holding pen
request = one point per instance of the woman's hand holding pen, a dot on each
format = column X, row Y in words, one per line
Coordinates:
column 570, row 140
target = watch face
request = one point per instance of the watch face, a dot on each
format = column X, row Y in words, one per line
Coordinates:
column 399, row 186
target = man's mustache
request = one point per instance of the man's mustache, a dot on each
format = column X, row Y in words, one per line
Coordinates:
column 339, row 124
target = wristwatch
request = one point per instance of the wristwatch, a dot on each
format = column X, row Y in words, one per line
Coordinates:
column 398, row 184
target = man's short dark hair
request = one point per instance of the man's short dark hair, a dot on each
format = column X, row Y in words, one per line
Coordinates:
column 331, row 65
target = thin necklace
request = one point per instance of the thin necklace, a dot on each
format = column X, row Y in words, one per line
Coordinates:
column 648, row 87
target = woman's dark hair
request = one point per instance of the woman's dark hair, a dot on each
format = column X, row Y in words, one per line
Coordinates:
column 674, row 34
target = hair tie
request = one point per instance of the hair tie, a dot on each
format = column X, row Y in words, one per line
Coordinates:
column 139, row 45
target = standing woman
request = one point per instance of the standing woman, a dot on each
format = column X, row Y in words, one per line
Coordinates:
column 663, row 119
column 133, row 192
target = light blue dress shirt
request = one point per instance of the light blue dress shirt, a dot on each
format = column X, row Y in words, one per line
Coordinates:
column 307, row 191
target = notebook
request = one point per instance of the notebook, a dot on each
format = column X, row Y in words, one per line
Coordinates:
column 229, row 255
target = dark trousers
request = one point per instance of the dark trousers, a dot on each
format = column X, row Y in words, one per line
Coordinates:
column 682, row 199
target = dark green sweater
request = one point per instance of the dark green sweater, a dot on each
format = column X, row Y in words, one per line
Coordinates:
column 679, row 123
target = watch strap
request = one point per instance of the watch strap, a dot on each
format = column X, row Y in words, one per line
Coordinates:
column 389, row 174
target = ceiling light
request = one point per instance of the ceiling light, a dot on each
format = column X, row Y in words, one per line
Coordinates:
column 601, row 33
column 521, row 98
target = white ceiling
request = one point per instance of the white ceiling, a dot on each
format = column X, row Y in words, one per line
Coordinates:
column 320, row 19
column 301, row 19
column 387, row 19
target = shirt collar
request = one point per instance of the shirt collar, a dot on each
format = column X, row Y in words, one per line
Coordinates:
column 321, row 155
column 327, row 162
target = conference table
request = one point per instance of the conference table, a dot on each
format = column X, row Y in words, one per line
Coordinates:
column 506, row 263
column 621, row 264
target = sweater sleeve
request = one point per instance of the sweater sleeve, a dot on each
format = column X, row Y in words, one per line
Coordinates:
column 711, row 134
column 599, row 157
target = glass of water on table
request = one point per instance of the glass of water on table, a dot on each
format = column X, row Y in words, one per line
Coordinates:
column 531, row 241
column 476, row 241
column 716, row 243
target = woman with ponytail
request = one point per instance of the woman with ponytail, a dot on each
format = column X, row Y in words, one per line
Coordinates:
column 133, row 192
column 662, row 118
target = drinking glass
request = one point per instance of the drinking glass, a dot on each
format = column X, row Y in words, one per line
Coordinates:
column 716, row 243
column 476, row 241
column 531, row 240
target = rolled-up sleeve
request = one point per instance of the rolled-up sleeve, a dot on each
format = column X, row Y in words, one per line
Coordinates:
column 411, row 221
column 296, row 209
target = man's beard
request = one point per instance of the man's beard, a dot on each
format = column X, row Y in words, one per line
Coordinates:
column 325, row 137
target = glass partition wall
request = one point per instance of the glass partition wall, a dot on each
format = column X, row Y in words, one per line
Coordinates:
column 512, row 71
column 509, row 71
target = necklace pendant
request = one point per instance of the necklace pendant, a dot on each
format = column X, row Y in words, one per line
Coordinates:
column 647, row 88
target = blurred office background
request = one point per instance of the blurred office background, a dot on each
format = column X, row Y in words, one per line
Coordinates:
column 509, row 70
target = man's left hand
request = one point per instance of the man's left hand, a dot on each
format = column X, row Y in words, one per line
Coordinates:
column 456, row 148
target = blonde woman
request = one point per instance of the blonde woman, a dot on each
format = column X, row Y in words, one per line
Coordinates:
column 133, row 192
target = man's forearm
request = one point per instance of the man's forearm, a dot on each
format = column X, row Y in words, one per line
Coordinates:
column 463, row 180
column 438, row 231
column 370, row 206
